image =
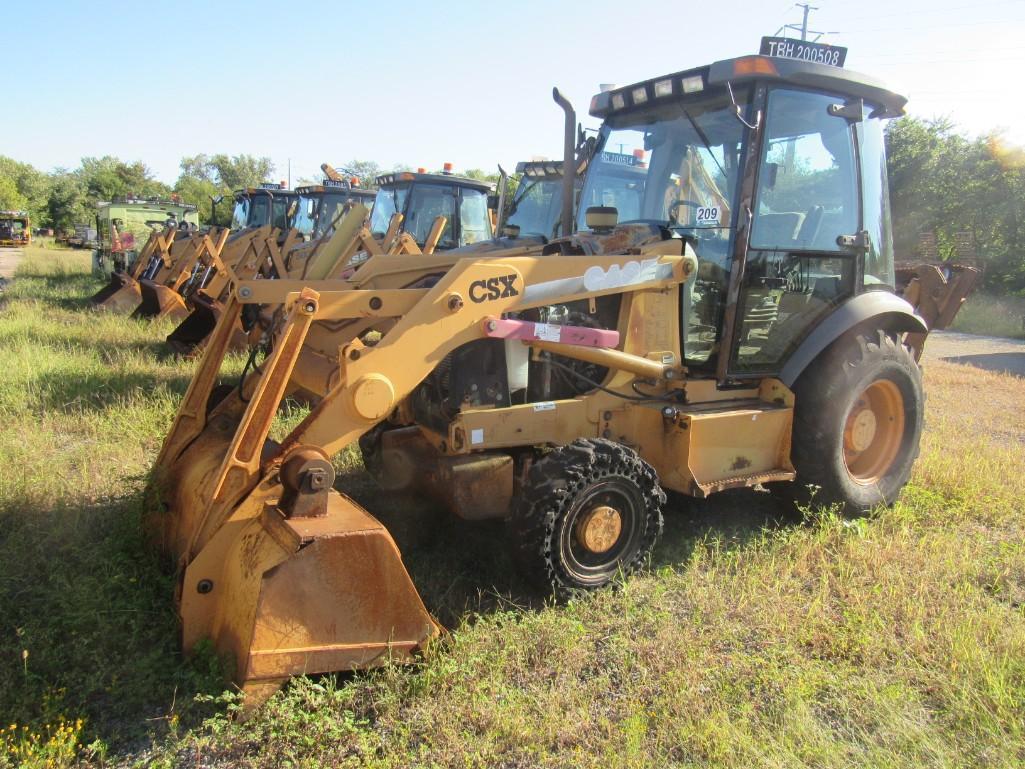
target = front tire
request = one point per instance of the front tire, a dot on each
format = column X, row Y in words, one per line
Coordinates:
column 587, row 512
column 858, row 422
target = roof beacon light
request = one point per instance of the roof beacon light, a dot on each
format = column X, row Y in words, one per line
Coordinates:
column 447, row 169
column 421, row 170
column 691, row 84
column 754, row 65
column 354, row 181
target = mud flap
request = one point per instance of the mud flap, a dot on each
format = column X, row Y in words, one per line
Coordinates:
column 159, row 301
column 283, row 597
column 121, row 294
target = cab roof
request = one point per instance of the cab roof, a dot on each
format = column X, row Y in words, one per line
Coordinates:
column 268, row 190
column 745, row 69
column 358, row 192
column 399, row 177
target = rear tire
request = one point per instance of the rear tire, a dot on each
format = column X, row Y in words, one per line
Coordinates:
column 857, row 423
column 587, row 512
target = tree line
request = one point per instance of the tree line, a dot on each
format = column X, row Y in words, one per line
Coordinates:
column 941, row 182
column 63, row 198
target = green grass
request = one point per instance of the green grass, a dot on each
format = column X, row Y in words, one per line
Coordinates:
column 753, row 641
column 992, row 316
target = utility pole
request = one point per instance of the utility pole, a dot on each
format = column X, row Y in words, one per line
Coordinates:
column 804, row 23
column 806, row 8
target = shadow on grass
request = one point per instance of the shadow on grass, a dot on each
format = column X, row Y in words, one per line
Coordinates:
column 100, row 390
column 88, row 616
column 155, row 348
column 462, row 569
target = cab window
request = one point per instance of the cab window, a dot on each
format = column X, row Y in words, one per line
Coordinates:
column 806, row 198
column 474, row 222
column 426, row 203
column 807, row 183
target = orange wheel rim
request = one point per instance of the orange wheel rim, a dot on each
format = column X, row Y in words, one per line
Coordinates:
column 873, row 432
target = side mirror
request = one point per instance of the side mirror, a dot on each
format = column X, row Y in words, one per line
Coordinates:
column 601, row 219
column 511, row 231
column 493, row 202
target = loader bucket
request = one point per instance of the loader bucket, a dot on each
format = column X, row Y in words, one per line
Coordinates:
column 159, row 301
column 121, row 294
column 190, row 336
column 282, row 573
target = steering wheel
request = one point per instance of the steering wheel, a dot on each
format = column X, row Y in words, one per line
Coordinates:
column 674, row 207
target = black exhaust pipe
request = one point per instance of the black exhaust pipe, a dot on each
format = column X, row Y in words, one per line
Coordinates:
column 569, row 162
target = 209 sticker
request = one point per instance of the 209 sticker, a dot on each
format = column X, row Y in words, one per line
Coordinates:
column 707, row 215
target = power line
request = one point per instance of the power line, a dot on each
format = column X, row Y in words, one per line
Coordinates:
column 802, row 28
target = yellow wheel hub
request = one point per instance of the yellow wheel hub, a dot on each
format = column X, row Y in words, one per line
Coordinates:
column 599, row 529
column 873, row 432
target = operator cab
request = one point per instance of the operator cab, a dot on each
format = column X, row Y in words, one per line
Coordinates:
column 320, row 206
column 422, row 197
column 536, row 207
column 259, row 206
column 774, row 171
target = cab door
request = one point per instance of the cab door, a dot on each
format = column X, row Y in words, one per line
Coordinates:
column 803, row 254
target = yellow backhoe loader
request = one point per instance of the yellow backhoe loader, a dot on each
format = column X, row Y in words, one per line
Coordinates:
column 724, row 316
column 438, row 210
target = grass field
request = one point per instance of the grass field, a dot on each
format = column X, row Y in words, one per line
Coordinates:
column 992, row 315
column 754, row 640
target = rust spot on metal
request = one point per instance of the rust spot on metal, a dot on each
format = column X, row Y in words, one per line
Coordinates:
column 740, row 463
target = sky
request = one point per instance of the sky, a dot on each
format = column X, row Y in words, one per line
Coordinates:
column 416, row 84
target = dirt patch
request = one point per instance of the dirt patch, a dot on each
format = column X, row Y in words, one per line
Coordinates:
column 9, row 258
column 990, row 353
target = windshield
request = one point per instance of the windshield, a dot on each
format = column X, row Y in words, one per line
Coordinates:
column 240, row 217
column 474, row 220
column 677, row 167
column 331, row 207
column 536, row 207
column 259, row 210
column 388, row 202
column 306, row 215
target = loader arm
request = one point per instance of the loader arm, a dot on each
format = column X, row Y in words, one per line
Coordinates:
column 281, row 571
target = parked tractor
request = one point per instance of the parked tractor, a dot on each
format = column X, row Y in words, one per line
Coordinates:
column 723, row 315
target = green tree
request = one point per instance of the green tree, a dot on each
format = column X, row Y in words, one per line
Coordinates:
column 109, row 177
column 240, row 170
column 67, row 203
column 32, row 188
column 10, row 198
column 944, row 182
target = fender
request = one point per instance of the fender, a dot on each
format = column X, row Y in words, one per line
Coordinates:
column 899, row 316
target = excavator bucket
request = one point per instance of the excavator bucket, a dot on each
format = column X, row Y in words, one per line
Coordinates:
column 937, row 293
column 283, row 573
column 122, row 294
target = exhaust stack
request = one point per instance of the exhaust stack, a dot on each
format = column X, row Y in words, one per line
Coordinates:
column 569, row 162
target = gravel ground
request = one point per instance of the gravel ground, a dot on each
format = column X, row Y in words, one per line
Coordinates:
column 991, row 353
